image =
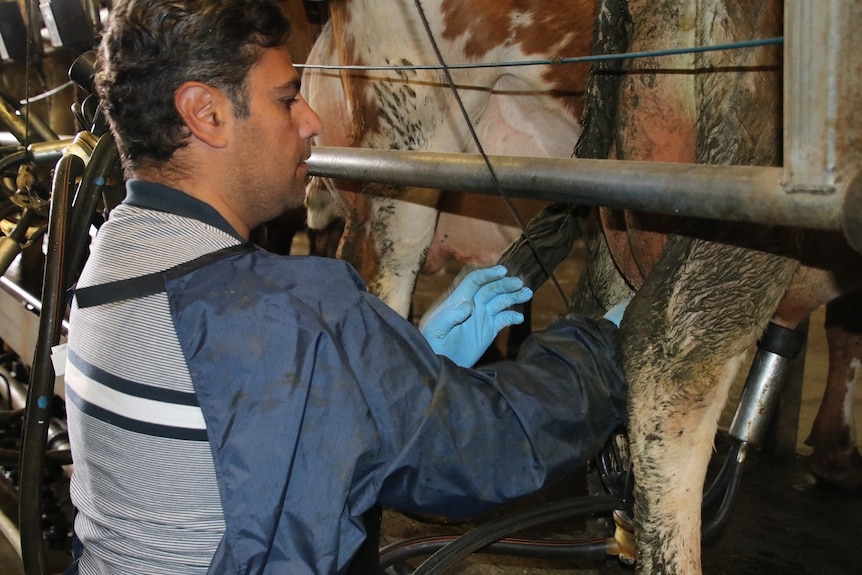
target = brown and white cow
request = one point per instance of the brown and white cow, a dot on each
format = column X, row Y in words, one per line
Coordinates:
column 708, row 288
column 391, row 233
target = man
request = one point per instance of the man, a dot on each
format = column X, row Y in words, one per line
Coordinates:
column 234, row 411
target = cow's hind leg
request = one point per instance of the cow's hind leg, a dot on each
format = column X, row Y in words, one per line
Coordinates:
column 835, row 460
column 685, row 334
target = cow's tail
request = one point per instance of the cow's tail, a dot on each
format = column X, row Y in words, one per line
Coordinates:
column 547, row 241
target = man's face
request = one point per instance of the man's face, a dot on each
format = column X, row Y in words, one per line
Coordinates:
column 273, row 142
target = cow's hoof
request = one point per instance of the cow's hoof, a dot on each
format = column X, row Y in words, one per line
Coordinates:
column 841, row 471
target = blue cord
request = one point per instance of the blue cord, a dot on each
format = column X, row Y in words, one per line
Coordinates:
column 574, row 60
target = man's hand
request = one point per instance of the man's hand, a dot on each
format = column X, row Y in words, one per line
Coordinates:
column 466, row 323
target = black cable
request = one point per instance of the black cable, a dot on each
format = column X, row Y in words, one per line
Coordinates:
column 18, row 157
column 12, row 457
column 8, row 392
column 10, row 149
column 102, row 160
column 733, row 480
column 719, row 484
column 7, row 208
column 41, row 386
column 724, row 485
column 407, row 549
column 547, row 270
column 495, row 530
column 8, row 415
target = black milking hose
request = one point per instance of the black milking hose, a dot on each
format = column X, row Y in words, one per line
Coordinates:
column 719, row 485
column 102, row 161
column 732, row 479
column 12, row 457
column 41, row 388
column 492, row 532
column 18, row 157
column 407, row 549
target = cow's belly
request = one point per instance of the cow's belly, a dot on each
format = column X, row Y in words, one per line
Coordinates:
column 518, row 121
column 475, row 229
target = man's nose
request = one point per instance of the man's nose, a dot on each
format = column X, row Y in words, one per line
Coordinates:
column 311, row 123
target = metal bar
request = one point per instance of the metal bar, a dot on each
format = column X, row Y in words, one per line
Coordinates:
column 17, row 302
column 734, row 193
column 822, row 94
column 807, row 131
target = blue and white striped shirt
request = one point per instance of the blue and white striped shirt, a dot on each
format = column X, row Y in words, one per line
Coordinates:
column 130, row 394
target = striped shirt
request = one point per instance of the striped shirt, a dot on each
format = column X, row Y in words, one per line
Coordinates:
column 143, row 468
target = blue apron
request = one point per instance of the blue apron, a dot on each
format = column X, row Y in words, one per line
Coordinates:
column 321, row 403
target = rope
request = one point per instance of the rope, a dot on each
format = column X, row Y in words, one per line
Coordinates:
column 27, row 70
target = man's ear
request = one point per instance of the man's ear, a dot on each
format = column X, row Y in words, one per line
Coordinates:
column 205, row 111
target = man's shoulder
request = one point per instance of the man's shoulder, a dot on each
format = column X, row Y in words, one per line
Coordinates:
column 309, row 270
column 267, row 275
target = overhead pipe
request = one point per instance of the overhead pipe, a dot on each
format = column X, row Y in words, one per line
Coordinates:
column 733, row 193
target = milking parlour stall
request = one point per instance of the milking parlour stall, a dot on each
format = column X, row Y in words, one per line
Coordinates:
column 697, row 158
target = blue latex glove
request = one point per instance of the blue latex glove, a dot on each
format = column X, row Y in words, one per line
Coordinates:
column 616, row 313
column 466, row 323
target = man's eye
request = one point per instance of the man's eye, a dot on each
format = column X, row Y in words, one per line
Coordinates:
column 289, row 102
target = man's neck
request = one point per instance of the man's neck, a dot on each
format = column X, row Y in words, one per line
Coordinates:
column 198, row 186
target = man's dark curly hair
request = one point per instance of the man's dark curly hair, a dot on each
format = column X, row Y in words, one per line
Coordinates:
column 151, row 47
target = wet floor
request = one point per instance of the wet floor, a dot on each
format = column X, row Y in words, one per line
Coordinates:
column 780, row 524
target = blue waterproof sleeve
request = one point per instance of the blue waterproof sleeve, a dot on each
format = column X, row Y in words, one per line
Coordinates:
column 494, row 434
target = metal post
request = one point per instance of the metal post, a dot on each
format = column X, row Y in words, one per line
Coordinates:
column 822, row 94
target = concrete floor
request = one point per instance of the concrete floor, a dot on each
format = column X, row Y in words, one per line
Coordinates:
column 782, row 523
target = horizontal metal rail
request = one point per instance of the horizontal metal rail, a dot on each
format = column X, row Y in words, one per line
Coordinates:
column 733, row 193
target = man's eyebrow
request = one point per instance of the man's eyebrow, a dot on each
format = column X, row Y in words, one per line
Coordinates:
column 292, row 86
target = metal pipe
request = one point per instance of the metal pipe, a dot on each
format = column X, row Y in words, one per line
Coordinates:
column 11, row 121
column 12, row 244
column 762, row 390
column 822, row 89
column 28, row 300
column 39, row 130
column 735, row 193
column 821, row 92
